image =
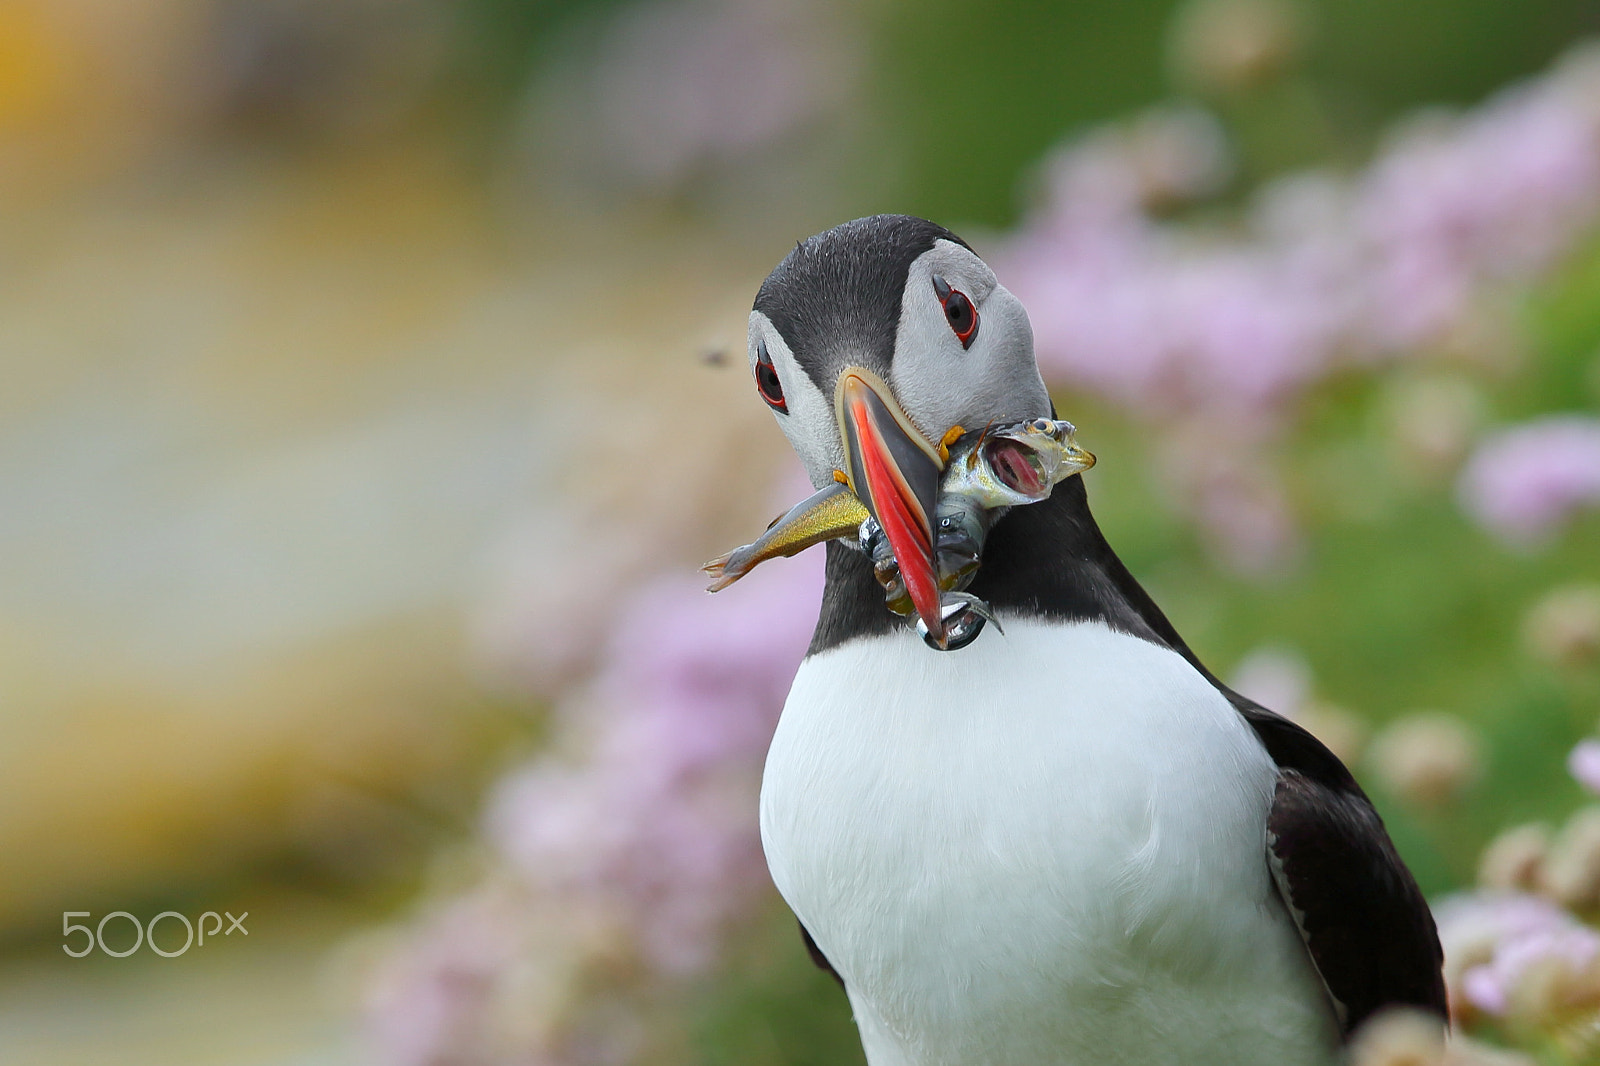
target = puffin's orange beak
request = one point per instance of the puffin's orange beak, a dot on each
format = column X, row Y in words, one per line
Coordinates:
column 894, row 470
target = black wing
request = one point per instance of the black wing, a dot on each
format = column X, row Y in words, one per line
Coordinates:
column 1363, row 918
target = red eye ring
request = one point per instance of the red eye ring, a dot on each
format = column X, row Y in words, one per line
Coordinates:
column 767, row 383
column 958, row 311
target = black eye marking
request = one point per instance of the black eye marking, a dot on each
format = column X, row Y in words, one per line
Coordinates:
column 767, row 383
column 958, row 311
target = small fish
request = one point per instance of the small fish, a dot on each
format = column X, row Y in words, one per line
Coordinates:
column 988, row 470
column 828, row 514
column 964, row 618
column 1013, row 465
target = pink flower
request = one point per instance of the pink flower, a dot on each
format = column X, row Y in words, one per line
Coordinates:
column 1584, row 764
column 659, row 818
column 1453, row 201
column 634, row 837
column 1491, row 938
column 422, row 1006
column 1524, row 482
column 1277, row 678
column 1490, row 987
column 1169, row 318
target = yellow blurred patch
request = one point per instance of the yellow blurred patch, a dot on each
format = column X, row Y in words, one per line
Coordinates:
column 33, row 65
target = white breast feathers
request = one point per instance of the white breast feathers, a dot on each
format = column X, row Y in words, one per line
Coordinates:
column 1047, row 848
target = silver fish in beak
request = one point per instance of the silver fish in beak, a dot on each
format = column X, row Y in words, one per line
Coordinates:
column 985, row 473
column 1013, row 465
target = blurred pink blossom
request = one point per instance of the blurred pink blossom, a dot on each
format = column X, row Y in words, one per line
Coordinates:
column 1163, row 318
column 1213, row 333
column 1453, row 201
column 638, row 828
column 426, row 1001
column 1584, row 764
column 1489, row 987
column 1275, row 677
column 1476, row 927
column 1524, row 482
column 659, row 819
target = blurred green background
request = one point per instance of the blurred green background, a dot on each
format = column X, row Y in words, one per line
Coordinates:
column 330, row 330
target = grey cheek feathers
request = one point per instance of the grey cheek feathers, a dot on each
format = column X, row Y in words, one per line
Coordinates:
column 809, row 425
column 939, row 383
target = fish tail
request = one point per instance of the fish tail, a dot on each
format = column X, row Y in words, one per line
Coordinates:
column 718, row 569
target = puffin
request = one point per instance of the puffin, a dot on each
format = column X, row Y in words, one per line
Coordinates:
column 1064, row 841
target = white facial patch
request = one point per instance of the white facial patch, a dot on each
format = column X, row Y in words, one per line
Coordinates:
column 941, row 384
column 809, row 423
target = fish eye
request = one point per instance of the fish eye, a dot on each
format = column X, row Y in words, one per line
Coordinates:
column 767, row 383
column 958, row 311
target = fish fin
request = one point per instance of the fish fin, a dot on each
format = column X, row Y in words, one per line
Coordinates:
column 977, row 448
column 721, row 576
column 978, row 607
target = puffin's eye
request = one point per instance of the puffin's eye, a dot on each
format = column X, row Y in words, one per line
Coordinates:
column 767, row 383
column 958, row 311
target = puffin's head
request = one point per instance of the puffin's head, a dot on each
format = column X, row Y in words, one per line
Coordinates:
column 870, row 342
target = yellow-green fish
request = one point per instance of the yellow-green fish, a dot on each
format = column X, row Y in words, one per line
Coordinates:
column 828, row 514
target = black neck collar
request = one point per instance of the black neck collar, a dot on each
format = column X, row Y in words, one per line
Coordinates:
column 1047, row 560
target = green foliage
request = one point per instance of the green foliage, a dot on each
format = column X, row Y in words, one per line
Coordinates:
column 977, row 95
column 780, row 1010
